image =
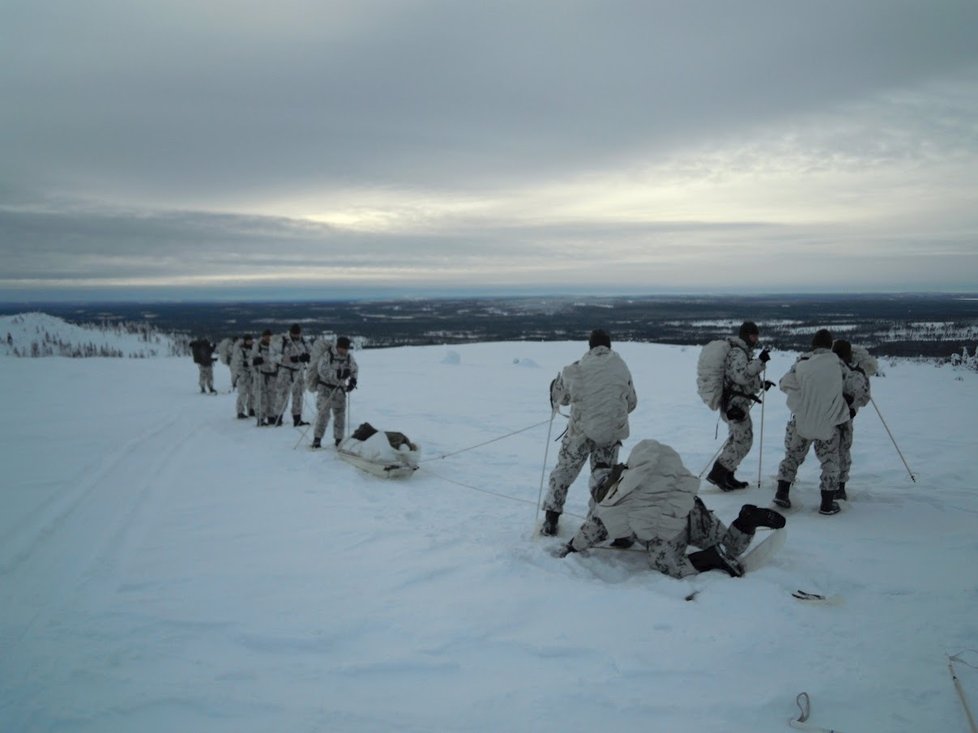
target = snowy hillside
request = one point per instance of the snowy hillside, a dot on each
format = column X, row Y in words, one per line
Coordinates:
column 165, row 567
column 38, row 334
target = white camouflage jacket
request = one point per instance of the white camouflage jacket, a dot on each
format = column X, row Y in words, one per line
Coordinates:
column 335, row 370
column 599, row 390
column 814, row 389
column 652, row 498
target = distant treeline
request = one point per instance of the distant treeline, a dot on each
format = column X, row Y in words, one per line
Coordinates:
column 889, row 325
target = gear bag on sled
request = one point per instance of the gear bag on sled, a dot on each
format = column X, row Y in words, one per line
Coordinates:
column 709, row 372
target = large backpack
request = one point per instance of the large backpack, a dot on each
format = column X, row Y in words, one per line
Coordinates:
column 316, row 352
column 709, row 372
column 862, row 359
column 224, row 350
column 201, row 349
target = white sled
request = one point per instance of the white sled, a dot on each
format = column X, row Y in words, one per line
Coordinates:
column 378, row 455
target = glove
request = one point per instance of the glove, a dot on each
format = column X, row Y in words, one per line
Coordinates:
column 352, row 384
column 849, row 399
column 257, row 361
column 768, row 384
column 342, row 373
column 304, row 358
column 294, row 359
column 764, row 356
column 565, row 550
column 736, row 414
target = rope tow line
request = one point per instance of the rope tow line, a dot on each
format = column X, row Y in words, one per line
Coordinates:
column 491, row 493
column 479, row 445
column 951, row 659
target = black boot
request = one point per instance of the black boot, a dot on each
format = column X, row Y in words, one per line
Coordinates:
column 829, row 505
column 720, row 477
column 251, row 413
column 735, row 482
column 549, row 526
column 751, row 517
column 203, row 391
column 781, row 496
column 623, row 543
column 337, row 442
column 242, row 416
column 213, row 391
column 276, row 421
column 840, row 493
column 297, row 421
column 316, row 443
column 716, row 558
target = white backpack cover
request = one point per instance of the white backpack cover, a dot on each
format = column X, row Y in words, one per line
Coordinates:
column 224, row 350
column 864, row 360
column 316, row 352
column 709, row 372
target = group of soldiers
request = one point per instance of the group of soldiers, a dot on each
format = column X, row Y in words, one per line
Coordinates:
column 272, row 371
column 652, row 499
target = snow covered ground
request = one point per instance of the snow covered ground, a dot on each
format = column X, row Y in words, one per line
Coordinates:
column 166, row 567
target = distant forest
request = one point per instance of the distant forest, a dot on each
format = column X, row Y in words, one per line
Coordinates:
column 889, row 325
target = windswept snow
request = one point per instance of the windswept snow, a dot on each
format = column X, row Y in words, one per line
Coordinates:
column 166, row 567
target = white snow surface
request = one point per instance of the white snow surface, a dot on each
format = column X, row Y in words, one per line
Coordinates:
column 166, row 567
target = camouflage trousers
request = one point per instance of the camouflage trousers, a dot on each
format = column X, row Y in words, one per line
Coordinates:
column 574, row 450
column 329, row 400
column 668, row 556
column 290, row 383
column 206, row 379
column 796, row 448
column 246, row 395
column 845, row 450
column 263, row 388
column 739, row 442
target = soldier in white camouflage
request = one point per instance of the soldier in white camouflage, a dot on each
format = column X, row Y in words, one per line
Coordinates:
column 599, row 389
column 242, row 376
column 855, row 391
column 653, row 501
column 203, row 353
column 291, row 355
column 741, row 383
column 814, row 387
column 338, row 372
column 264, row 376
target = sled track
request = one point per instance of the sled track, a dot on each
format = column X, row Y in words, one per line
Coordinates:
column 30, row 536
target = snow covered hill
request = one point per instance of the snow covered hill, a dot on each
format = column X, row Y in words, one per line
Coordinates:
column 166, row 567
column 38, row 334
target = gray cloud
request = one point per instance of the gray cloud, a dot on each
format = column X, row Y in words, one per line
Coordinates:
column 504, row 142
column 176, row 101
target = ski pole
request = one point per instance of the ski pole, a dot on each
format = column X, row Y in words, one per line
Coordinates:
column 964, row 700
column 760, row 442
column 328, row 403
column 712, row 461
column 349, row 415
column 887, row 427
column 543, row 470
column 259, row 387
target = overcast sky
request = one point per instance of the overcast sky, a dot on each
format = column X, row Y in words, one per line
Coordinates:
column 184, row 148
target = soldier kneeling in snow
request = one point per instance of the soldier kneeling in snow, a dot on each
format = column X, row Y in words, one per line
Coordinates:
column 653, row 500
